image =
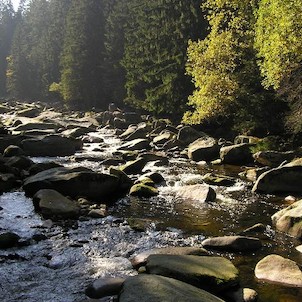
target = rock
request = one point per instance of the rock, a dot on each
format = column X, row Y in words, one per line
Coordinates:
column 254, row 173
column 8, row 240
column 141, row 259
column 287, row 178
column 276, row 269
column 147, row 288
column 52, row 204
column 104, row 287
column 143, row 190
column 51, row 145
column 256, row 228
column 136, row 144
column 242, row 295
column 218, row 180
column 132, row 117
column 289, row 220
column 138, row 133
column 125, row 182
column 7, row 140
column 233, row 243
column 163, row 137
column 246, row 139
column 273, row 158
column 205, row 148
column 13, row 151
column 187, row 135
column 198, row 192
column 36, row 126
column 19, row 162
column 76, row 182
column 131, row 129
column 155, row 156
column 213, row 274
column 134, row 167
column 29, row 112
column 39, row 167
column 299, row 248
column 8, row 182
column 236, row 154
column 139, row 224
column 76, row 132
column 97, row 213
column 156, row 177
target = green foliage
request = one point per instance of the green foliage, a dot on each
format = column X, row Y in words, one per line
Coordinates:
column 225, row 73
column 156, row 36
column 278, row 41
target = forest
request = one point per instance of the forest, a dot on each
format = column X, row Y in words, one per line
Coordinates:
column 235, row 63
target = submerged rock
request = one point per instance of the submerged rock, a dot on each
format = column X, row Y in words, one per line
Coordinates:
column 147, row 288
column 276, row 269
column 210, row 273
column 8, row 240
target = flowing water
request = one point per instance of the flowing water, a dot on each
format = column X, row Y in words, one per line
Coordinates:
column 58, row 260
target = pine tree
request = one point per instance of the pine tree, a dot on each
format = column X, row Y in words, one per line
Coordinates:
column 156, row 36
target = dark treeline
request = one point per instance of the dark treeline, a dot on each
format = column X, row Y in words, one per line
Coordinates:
column 234, row 63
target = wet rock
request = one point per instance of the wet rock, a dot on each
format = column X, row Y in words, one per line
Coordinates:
column 52, row 204
column 218, row 180
column 125, row 181
column 242, row 295
column 13, row 151
column 104, row 287
column 74, row 183
column 136, row 144
column 273, row 158
column 97, row 213
column 233, row 243
column 236, row 154
column 8, row 240
column 19, row 162
column 276, row 269
column 8, row 182
column 289, row 220
column 287, row 178
column 246, row 139
column 163, row 137
column 76, row 132
column 39, row 167
column 205, row 148
column 187, row 135
column 256, row 228
column 214, row 274
column 51, row 145
column 143, row 190
column 141, row 259
column 139, row 224
column 146, row 288
column 198, row 192
column 134, row 167
column 156, row 177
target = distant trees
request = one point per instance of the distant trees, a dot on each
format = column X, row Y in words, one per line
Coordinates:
column 156, row 37
column 279, row 45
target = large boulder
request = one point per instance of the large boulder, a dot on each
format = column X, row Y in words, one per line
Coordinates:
column 205, row 148
column 51, row 145
column 273, row 158
column 198, row 192
column 74, row 182
column 147, row 288
column 213, row 274
column 233, row 243
column 287, row 178
column 239, row 154
column 187, row 135
column 136, row 144
column 53, row 204
column 276, row 269
column 289, row 220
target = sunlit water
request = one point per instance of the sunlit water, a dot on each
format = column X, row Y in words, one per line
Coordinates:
column 73, row 254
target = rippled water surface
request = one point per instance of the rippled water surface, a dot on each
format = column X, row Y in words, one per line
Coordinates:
column 69, row 255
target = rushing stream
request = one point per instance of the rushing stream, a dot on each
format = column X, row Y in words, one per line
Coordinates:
column 58, row 260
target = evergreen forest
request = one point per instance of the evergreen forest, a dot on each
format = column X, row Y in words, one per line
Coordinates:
column 235, row 64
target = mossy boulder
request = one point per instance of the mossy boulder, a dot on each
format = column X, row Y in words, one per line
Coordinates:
column 213, row 274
